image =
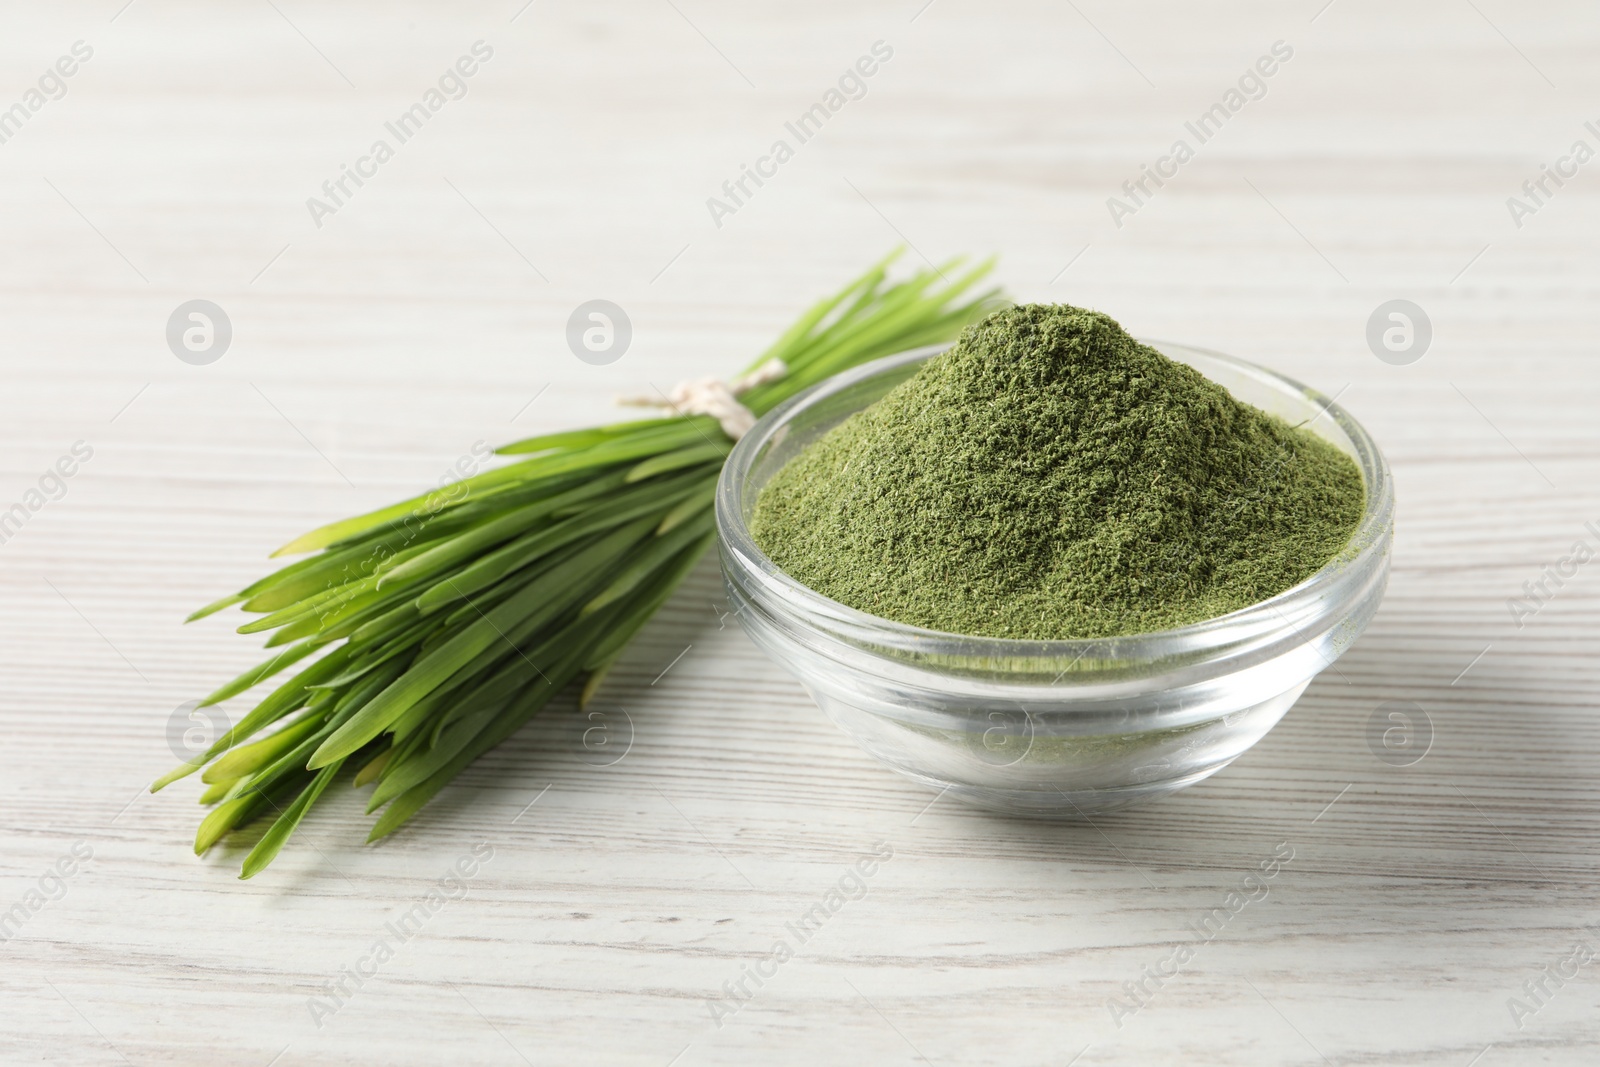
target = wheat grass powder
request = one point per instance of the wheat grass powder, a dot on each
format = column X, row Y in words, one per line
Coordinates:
column 1049, row 477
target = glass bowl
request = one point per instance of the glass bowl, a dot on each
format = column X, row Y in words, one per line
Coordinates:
column 1053, row 728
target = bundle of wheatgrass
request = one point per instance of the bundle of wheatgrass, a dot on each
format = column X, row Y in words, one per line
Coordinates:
column 443, row 623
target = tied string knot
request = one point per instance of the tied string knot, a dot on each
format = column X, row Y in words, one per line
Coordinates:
column 715, row 397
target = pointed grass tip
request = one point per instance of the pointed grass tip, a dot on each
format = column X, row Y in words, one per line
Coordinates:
column 214, row 607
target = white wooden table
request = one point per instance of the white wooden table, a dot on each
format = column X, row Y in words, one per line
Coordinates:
column 427, row 312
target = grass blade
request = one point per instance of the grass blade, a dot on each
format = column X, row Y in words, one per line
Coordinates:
column 267, row 848
column 538, row 601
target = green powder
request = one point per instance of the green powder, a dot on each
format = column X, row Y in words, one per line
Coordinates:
column 1049, row 477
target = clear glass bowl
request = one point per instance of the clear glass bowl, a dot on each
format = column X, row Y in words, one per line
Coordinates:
column 1053, row 728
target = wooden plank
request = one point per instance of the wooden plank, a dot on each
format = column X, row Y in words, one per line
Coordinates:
column 427, row 313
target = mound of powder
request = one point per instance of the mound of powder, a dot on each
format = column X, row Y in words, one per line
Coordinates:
column 1050, row 477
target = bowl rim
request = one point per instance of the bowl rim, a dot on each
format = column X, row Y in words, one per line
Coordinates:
column 1369, row 540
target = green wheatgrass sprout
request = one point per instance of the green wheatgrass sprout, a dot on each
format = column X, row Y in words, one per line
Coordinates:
column 447, row 621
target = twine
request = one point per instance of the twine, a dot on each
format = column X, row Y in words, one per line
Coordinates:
column 715, row 397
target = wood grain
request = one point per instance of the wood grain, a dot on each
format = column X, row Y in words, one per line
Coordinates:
column 428, row 313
